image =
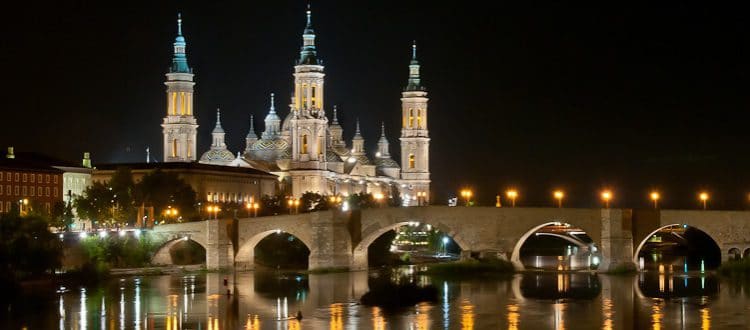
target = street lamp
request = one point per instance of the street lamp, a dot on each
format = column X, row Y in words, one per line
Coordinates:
column 379, row 198
column 559, row 195
column 703, row 196
column 296, row 206
column 655, row 198
column 23, row 206
column 421, row 198
column 466, row 194
column 256, row 206
column 606, row 197
column 512, row 194
column 215, row 210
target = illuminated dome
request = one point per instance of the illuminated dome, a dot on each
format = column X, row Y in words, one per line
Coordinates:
column 217, row 155
column 269, row 150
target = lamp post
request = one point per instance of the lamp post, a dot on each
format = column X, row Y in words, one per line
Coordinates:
column 466, row 194
column 215, row 210
column 256, row 206
column 497, row 201
column 559, row 195
column 512, row 194
column 655, row 196
column 703, row 196
column 335, row 200
column 606, row 197
column 421, row 198
column 290, row 203
column 23, row 206
column 296, row 206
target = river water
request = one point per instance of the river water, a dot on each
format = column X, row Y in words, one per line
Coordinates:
column 331, row 301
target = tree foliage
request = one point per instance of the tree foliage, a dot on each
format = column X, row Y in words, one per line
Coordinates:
column 27, row 247
column 114, row 202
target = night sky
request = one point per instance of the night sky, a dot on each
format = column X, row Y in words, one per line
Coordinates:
column 536, row 97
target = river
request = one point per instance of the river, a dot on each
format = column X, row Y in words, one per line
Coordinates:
column 331, row 301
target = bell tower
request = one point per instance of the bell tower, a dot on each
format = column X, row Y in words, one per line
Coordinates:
column 415, row 139
column 179, row 125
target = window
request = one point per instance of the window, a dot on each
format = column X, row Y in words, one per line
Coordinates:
column 7, row 206
column 16, row 177
column 39, row 191
column 208, row 197
column 1, row 176
column 1, row 207
column 16, row 190
column 411, row 118
column 182, row 103
column 32, row 178
column 173, row 109
column 25, row 191
column 411, row 160
column 312, row 95
column 54, row 178
column 38, row 178
column 304, row 144
column 174, row 148
column 46, row 178
column 25, row 177
column 46, row 191
column 304, row 96
column 419, row 118
column 54, row 192
column 7, row 190
column 31, row 191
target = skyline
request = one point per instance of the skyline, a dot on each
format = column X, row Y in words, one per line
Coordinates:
column 629, row 106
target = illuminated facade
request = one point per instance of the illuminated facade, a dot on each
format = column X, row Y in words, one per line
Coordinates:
column 306, row 149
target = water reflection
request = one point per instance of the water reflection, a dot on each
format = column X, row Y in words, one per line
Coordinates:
column 331, row 301
column 560, row 285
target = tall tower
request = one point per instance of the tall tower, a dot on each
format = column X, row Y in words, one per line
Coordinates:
column 179, row 126
column 415, row 139
column 308, row 123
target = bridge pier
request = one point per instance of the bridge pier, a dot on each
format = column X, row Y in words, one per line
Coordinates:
column 617, row 239
column 331, row 245
column 219, row 251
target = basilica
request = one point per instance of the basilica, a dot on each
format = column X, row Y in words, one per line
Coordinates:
column 306, row 149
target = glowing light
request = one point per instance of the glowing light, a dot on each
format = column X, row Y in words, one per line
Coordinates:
column 606, row 197
column 82, row 234
column 102, row 234
column 121, row 233
column 512, row 195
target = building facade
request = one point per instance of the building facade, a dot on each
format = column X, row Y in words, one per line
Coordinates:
column 306, row 149
column 26, row 184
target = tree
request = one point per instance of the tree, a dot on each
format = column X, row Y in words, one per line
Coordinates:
column 62, row 216
column 313, row 202
column 96, row 204
column 165, row 190
column 27, row 247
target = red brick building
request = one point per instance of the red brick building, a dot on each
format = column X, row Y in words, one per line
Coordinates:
column 28, row 183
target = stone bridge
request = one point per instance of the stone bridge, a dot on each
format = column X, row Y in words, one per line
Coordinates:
column 340, row 239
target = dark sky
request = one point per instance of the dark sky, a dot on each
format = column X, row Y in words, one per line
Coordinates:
column 533, row 96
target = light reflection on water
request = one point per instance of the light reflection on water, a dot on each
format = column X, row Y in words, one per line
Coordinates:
column 330, row 301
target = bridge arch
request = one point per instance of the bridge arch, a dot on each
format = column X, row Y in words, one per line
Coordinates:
column 374, row 231
column 515, row 256
column 643, row 242
column 245, row 257
column 162, row 256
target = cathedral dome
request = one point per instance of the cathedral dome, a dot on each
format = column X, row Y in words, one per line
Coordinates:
column 381, row 162
column 269, row 150
column 217, row 155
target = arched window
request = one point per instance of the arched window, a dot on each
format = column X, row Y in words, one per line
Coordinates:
column 304, row 144
column 411, row 161
column 419, row 118
column 312, row 94
column 411, row 118
column 304, row 96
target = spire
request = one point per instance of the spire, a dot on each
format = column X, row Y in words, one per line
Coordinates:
column 335, row 115
column 308, row 54
column 179, row 60
column 383, row 143
column 251, row 136
column 356, row 132
column 218, row 128
column 414, row 83
column 273, row 105
column 272, row 121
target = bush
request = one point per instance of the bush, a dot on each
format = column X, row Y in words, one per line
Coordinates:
column 120, row 252
column 736, row 268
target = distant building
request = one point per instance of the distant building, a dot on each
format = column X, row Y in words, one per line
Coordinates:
column 212, row 183
column 67, row 181
column 306, row 150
